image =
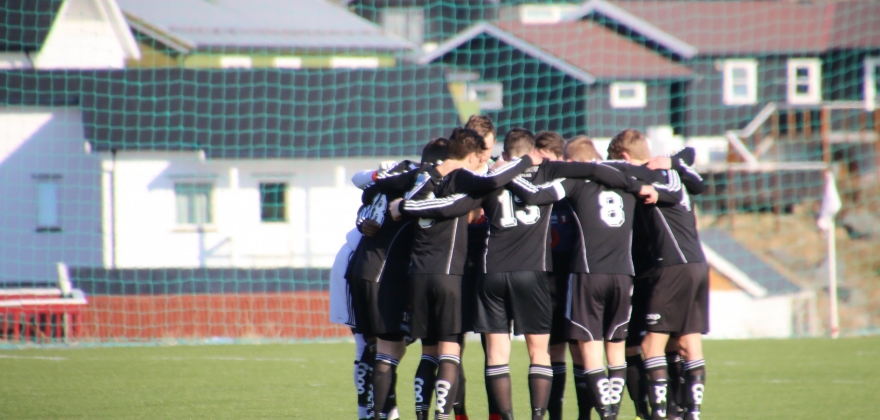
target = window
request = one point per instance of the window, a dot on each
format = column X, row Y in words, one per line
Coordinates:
column 545, row 13
column 287, row 62
column 489, row 95
column 354, row 62
column 872, row 83
column 235, row 61
column 273, row 207
column 405, row 22
column 48, row 207
column 805, row 81
column 740, row 82
column 628, row 95
column 193, row 203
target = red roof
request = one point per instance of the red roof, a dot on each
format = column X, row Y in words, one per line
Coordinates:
column 596, row 50
column 749, row 27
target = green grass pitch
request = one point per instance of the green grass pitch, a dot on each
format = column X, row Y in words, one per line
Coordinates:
column 754, row 379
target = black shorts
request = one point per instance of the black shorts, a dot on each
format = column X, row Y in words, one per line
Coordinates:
column 640, row 297
column 380, row 307
column 519, row 296
column 436, row 311
column 559, row 294
column 679, row 302
column 598, row 306
column 468, row 298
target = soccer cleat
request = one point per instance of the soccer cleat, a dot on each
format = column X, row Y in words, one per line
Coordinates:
column 461, row 417
column 494, row 416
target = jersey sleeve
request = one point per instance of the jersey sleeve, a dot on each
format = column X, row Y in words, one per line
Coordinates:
column 363, row 179
column 455, row 205
column 395, row 183
column 669, row 191
column 538, row 195
column 688, row 155
column 689, row 177
column 467, row 182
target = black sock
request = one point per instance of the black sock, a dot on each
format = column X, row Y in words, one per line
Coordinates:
column 540, row 385
column 498, row 388
column 426, row 375
column 365, row 378
column 383, row 376
column 695, row 371
column 557, row 392
column 673, row 396
column 658, row 377
column 617, row 381
column 490, row 399
column 636, row 384
column 446, row 386
column 597, row 383
column 584, row 398
column 459, row 407
column 391, row 401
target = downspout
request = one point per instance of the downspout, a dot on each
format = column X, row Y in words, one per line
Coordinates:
column 113, row 210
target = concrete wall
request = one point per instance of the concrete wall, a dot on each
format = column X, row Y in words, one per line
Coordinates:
column 141, row 230
column 735, row 314
column 35, row 142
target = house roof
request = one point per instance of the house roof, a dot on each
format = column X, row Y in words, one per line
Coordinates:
column 188, row 25
column 753, row 27
column 584, row 50
column 26, row 23
column 249, row 113
column 743, row 267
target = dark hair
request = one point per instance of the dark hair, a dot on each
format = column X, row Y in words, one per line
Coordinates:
column 435, row 151
column 550, row 141
column 631, row 141
column 481, row 124
column 581, row 149
column 463, row 142
column 519, row 142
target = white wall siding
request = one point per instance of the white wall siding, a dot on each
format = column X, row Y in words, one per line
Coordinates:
column 84, row 37
column 321, row 208
column 735, row 314
column 41, row 141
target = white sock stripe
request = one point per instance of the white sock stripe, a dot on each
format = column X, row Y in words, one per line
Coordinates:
column 450, row 358
column 579, row 372
column 623, row 366
column 497, row 370
column 559, row 369
column 678, row 358
column 387, row 359
column 693, row 364
column 597, row 370
column 655, row 362
column 540, row 370
column 429, row 358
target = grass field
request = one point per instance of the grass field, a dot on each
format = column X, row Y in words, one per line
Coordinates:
column 761, row 379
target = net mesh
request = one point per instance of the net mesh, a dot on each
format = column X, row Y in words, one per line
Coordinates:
column 185, row 165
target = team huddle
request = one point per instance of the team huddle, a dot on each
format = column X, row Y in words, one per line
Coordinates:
column 598, row 258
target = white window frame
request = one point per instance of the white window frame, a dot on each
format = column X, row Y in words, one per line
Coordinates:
column 814, row 81
column 236, row 62
column 871, row 92
column 639, row 101
column 410, row 15
column 52, row 206
column 211, row 215
column 495, row 92
column 532, row 14
column 751, row 68
column 287, row 62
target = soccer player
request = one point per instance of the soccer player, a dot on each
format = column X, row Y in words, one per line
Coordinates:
column 377, row 277
column 438, row 255
column 678, row 306
column 601, row 281
column 514, row 285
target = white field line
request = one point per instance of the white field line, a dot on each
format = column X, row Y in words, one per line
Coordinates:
column 233, row 359
column 9, row 356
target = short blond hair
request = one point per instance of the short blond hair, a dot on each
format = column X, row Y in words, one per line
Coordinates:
column 630, row 141
column 581, row 149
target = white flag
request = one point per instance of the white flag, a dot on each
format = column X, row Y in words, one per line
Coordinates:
column 830, row 203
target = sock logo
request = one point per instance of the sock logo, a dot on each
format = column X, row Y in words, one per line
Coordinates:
column 616, row 389
column 659, row 394
column 362, row 378
column 419, row 384
column 443, row 388
column 697, row 393
column 604, row 391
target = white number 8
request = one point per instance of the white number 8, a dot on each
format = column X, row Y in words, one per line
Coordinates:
column 612, row 208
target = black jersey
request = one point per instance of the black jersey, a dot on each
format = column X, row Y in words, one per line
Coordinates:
column 385, row 254
column 604, row 215
column 563, row 230
column 519, row 237
column 670, row 225
column 440, row 237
